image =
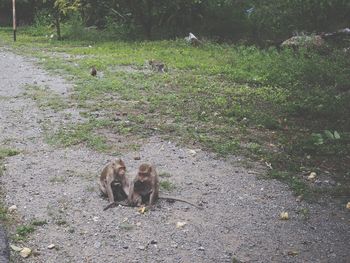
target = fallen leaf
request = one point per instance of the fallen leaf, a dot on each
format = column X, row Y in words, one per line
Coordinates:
column 312, row 176
column 348, row 205
column 293, row 253
column 142, row 210
column 180, row 224
column 25, row 252
column 15, row 248
column 299, row 198
column 284, row 216
column 192, row 152
column 12, row 208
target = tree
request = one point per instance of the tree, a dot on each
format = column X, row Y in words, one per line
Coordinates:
column 60, row 9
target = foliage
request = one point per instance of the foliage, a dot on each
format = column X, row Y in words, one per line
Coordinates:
column 258, row 21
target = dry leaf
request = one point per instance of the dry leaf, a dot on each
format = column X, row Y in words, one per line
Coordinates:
column 25, row 252
column 312, row 176
column 142, row 210
column 293, row 253
column 284, row 216
column 348, row 205
column 15, row 248
column 180, row 224
column 12, row 208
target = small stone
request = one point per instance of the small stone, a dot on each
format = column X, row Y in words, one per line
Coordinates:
column 12, row 208
column 154, row 242
column 137, row 158
column 97, row 245
column 138, row 224
column 125, row 247
column 201, row 248
column 142, row 247
column 51, row 246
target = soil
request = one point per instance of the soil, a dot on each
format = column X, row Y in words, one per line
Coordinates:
column 240, row 221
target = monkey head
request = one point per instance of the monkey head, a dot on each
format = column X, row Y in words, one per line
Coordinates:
column 144, row 172
column 119, row 167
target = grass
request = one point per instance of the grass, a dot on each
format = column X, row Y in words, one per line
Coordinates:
column 271, row 106
column 45, row 97
column 166, row 185
column 4, row 152
column 22, row 232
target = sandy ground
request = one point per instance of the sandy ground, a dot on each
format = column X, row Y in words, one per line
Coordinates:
column 240, row 219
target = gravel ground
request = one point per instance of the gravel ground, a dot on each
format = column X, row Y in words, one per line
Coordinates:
column 240, row 219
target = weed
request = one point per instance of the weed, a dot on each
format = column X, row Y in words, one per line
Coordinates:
column 57, row 179
column 46, row 98
column 166, row 185
column 23, row 231
column 38, row 222
column 6, row 152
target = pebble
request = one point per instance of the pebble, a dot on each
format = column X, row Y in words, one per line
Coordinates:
column 51, row 246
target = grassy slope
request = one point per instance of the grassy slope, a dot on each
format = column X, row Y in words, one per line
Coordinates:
column 273, row 107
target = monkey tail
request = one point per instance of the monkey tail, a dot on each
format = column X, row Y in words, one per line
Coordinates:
column 180, row 200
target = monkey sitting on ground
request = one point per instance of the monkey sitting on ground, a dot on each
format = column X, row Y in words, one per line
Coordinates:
column 157, row 65
column 93, row 71
column 145, row 188
column 113, row 182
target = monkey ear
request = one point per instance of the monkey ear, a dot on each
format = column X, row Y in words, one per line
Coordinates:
column 120, row 162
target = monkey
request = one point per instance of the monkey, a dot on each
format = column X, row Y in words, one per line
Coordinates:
column 145, row 188
column 157, row 65
column 93, row 71
column 113, row 181
column 195, row 42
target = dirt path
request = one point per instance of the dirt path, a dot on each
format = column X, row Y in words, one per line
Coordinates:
column 59, row 186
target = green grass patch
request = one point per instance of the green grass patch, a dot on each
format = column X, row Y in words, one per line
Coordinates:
column 82, row 133
column 46, row 98
column 22, row 232
column 7, row 152
column 37, row 222
column 166, row 185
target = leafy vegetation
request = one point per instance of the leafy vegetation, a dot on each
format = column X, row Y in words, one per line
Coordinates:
column 286, row 108
column 23, row 231
column 253, row 21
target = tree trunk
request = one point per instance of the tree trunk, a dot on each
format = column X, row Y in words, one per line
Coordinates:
column 58, row 26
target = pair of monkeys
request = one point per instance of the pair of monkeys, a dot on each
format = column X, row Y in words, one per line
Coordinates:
column 144, row 188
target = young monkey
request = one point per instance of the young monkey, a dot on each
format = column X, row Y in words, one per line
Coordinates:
column 93, row 71
column 113, row 182
column 157, row 65
column 145, row 188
